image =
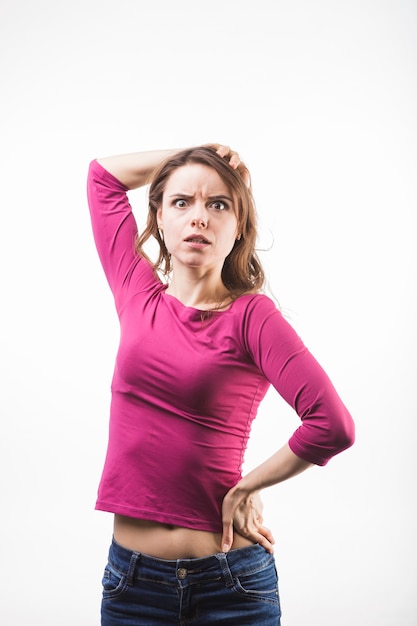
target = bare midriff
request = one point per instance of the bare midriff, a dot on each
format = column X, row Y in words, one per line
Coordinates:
column 169, row 542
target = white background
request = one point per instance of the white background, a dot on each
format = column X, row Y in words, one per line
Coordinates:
column 320, row 99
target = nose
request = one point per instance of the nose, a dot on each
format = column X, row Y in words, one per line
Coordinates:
column 199, row 222
column 199, row 218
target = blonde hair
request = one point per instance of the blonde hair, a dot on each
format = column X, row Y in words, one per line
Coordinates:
column 242, row 271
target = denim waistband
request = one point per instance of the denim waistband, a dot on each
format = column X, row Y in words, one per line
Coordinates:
column 234, row 563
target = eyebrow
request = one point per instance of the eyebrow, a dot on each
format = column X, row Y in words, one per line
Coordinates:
column 188, row 196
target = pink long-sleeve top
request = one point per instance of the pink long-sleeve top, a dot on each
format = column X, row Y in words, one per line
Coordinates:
column 185, row 389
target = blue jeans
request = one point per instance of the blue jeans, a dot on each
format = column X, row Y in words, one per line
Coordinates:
column 235, row 589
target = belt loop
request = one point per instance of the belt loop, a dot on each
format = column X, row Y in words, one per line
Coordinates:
column 131, row 571
column 225, row 569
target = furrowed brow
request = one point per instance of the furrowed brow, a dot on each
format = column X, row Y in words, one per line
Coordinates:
column 220, row 197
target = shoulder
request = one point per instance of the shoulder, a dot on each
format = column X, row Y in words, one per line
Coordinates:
column 251, row 311
column 256, row 306
column 262, row 323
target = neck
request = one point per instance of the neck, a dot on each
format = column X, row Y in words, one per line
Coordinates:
column 199, row 291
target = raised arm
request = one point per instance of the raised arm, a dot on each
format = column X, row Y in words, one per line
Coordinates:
column 135, row 169
column 114, row 225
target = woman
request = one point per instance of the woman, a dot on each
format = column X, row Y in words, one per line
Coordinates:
column 197, row 354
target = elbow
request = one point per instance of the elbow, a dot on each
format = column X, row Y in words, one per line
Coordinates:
column 342, row 433
column 326, row 431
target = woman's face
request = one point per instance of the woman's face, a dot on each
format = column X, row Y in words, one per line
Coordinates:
column 198, row 218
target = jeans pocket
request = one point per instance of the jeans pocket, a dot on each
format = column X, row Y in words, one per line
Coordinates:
column 113, row 582
column 259, row 585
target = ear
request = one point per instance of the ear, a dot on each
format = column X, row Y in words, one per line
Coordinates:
column 159, row 217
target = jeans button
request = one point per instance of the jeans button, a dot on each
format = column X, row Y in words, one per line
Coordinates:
column 181, row 573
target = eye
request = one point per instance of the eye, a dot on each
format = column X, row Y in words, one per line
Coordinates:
column 218, row 205
column 180, row 203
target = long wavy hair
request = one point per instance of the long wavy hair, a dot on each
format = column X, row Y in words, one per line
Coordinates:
column 242, row 270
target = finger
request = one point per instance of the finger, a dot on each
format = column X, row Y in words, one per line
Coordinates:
column 263, row 537
column 227, row 537
column 223, row 151
column 265, row 532
column 233, row 156
column 265, row 543
column 234, row 160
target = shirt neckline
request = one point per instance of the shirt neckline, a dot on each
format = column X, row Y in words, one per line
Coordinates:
column 185, row 307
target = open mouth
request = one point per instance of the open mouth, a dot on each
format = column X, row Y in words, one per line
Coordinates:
column 196, row 239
